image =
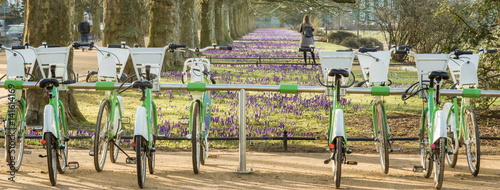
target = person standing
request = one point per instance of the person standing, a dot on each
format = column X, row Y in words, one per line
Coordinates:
column 307, row 38
column 84, row 29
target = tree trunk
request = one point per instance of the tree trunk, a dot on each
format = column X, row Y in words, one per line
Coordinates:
column 122, row 23
column 219, row 23
column 207, row 23
column 79, row 8
column 54, row 27
column 236, row 19
column 225, row 15
column 187, row 30
column 232, row 30
column 95, row 10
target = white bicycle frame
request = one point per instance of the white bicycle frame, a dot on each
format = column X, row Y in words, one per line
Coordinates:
column 426, row 63
column 142, row 57
column 47, row 57
column 336, row 60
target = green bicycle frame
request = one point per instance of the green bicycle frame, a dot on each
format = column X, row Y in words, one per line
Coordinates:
column 379, row 91
column 431, row 107
column 17, row 98
column 150, row 106
column 336, row 105
column 202, row 107
column 114, row 102
column 459, row 124
column 55, row 102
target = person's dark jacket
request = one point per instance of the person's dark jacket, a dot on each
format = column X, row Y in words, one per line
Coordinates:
column 84, row 27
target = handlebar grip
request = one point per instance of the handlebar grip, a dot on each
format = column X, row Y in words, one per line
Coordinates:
column 305, row 49
column 492, row 51
column 19, row 47
column 225, row 48
column 401, row 52
column 52, row 46
column 458, row 52
column 114, row 46
column 345, row 50
column 364, row 50
column 175, row 46
column 403, row 47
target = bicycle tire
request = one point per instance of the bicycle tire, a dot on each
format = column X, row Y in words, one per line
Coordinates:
column 101, row 138
column 140, row 150
column 439, row 163
column 113, row 150
column 473, row 149
column 451, row 140
column 195, row 138
column 91, row 77
column 383, row 144
column 151, row 159
column 204, row 152
column 425, row 155
column 62, row 156
column 18, row 137
column 337, row 161
column 51, row 157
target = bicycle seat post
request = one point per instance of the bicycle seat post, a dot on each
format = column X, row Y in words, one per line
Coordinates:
column 148, row 69
column 53, row 71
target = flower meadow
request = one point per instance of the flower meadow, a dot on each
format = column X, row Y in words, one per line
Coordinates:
column 268, row 114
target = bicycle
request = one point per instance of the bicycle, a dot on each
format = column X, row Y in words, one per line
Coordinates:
column 433, row 143
column 335, row 68
column 200, row 108
column 462, row 128
column 149, row 62
column 20, row 62
column 52, row 64
column 375, row 68
column 108, row 131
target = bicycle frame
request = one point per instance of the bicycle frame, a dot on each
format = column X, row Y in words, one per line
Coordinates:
column 150, row 109
column 336, row 128
column 115, row 108
column 53, row 108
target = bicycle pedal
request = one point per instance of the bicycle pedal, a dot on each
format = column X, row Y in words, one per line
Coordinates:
column 91, row 152
column 213, row 156
column 418, row 168
column 184, row 121
column 450, row 152
column 27, row 152
column 125, row 120
column 351, row 163
column 396, row 150
column 131, row 160
column 152, row 149
column 42, row 156
column 38, row 128
column 327, row 161
column 1, row 129
column 188, row 136
column 73, row 165
column 348, row 151
column 62, row 146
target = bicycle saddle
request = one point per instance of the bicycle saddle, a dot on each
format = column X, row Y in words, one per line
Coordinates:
column 335, row 72
column 439, row 74
column 46, row 82
column 142, row 84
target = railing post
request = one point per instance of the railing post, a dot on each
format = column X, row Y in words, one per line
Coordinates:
column 285, row 140
column 243, row 137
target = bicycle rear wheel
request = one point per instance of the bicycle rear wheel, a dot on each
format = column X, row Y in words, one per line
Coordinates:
column 140, row 148
column 451, row 140
column 383, row 141
column 16, row 140
column 337, row 161
column 151, row 158
column 425, row 156
column 439, row 163
column 113, row 150
column 473, row 147
column 196, row 137
column 101, row 138
column 51, row 143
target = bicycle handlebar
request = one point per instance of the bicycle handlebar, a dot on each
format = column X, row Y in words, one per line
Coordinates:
column 402, row 52
column 175, row 46
column 345, row 50
column 114, row 46
column 364, row 50
column 225, row 48
column 19, row 47
column 459, row 52
column 491, row 50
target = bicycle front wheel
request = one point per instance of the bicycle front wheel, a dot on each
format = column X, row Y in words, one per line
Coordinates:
column 101, row 138
column 337, row 160
column 382, row 137
column 439, row 163
column 452, row 140
column 14, row 145
column 113, row 149
column 196, row 137
column 473, row 147
column 151, row 158
column 51, row 143
column 140, row 149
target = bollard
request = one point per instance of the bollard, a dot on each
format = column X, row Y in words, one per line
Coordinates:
column 285, row 140
column 243, row 137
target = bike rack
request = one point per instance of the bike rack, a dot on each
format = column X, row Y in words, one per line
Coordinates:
column 284, row 88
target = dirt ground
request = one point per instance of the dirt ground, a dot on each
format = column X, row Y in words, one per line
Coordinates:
column 271, row 171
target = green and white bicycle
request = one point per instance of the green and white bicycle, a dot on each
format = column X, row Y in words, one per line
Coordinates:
column 200, row 108
column 431, row 72
column 335, row 68
column 462, row 128
column 375, row 68
column 109, row 129
column 53, row 64
column 20, row 66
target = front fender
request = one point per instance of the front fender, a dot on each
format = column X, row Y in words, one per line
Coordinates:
column 141, row 123
column 439, row 126
column 338, row 124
